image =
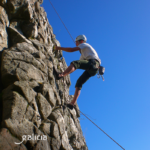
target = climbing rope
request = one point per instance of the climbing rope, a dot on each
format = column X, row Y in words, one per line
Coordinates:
column 65, row 86
column 102, row 130
column 62, row 21
column 64, row 106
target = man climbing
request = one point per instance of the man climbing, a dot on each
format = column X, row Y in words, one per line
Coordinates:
column 89, row 61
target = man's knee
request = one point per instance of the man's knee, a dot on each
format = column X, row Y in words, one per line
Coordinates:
column 75, row 64
column 78, row 88
column 72, row 65
column 79, row 84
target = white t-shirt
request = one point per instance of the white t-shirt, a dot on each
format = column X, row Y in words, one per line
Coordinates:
column 88, row 52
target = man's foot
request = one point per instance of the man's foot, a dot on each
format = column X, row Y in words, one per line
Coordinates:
column 58, row 76
column 70, row 106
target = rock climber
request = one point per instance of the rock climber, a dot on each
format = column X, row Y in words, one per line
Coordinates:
column 89, row 61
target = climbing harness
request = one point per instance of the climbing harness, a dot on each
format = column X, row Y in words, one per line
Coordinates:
column 100, row 73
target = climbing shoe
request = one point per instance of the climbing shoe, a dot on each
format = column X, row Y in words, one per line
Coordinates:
column 70, row 106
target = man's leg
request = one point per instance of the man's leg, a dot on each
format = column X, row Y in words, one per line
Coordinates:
column 76, row 95
column 69, row 70
column 82, row 79
column 79, row 64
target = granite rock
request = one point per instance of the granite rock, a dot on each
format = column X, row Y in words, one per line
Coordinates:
column 32, row 111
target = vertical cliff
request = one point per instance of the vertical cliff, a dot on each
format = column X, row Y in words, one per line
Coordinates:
column 30, row 96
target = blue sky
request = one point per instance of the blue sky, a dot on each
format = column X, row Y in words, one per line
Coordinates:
column 120, row 33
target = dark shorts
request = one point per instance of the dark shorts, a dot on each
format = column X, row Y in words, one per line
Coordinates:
column 90, row 67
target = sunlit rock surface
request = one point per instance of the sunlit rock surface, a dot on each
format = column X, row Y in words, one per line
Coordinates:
column 31, row 99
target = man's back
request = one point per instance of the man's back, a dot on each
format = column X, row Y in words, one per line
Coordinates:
column 88, row 52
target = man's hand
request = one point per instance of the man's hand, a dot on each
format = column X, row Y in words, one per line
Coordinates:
column 54, row 47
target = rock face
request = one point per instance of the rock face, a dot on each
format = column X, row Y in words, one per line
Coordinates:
column 31, row 99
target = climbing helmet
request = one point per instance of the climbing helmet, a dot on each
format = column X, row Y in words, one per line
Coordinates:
column 81, row 37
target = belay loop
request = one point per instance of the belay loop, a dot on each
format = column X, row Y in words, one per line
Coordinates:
column 101, row 71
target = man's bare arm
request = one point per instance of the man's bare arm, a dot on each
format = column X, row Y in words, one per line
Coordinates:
column 68, row 49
